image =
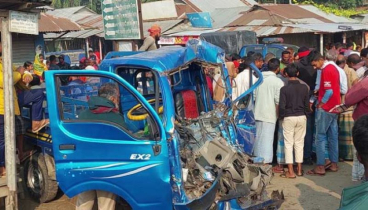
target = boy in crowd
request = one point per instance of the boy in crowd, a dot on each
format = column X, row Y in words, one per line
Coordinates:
column 294, row 105
column 267, row 97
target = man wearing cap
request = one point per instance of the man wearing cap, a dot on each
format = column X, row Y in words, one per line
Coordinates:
column 150, row 41
column 62, row 64
column 308, row 75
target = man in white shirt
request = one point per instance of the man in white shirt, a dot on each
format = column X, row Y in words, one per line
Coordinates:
column 241, row 82
column 267, row 97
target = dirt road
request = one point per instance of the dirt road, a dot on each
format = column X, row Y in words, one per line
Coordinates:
column 314, row 192
column 308, row 192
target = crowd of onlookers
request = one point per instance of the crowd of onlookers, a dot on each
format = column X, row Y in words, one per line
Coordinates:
column 306, row 107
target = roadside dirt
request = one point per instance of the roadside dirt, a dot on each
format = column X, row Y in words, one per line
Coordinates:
column 314, row 192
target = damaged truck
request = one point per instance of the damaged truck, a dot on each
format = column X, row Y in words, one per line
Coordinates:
column 177, row 149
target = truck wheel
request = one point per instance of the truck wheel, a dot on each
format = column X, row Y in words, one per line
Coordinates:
column 40, row 186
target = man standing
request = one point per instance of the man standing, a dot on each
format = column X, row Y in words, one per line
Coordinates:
column 308, row 75
column 242, row 80
column 346, row 121
column 294, row 105
column 53, row 63
column 285, row 59
column 326, row 122
column 258, row 60
column 355, row 62
column 150, row 41
column 349, row 49
column 62, row 64
column 267, row 97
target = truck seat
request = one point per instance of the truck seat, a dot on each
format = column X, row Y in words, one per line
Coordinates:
column 186, row 103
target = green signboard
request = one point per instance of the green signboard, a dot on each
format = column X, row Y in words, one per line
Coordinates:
column 122, row 19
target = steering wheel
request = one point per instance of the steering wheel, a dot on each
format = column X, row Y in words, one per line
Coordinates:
column 138, row 113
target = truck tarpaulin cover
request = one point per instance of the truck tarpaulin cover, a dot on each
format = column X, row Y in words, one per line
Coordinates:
column 230, row 41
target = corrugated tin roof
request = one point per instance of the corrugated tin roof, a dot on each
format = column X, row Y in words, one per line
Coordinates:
column 329, row 16
column 255, row 17
column 263, row 31
column 159, row 10
column 77, row 34
column 330, row 27
column 49, row 23
column 292, row 11
column 85, row 17
column 211, row 5
column 193, row 33
column 91, row 21
column 65, row 12
column 182, row 27
column 182, row 9
column 73, row 13
column 164, row 24
column 222, row 17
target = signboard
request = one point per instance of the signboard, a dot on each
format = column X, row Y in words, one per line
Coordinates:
column 200, row 19
column 342, row 27
column 122, row 19
column 175, row 40
column 24, row 23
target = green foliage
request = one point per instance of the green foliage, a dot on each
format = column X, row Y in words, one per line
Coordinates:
column 344, row 4
column 92, row 4
column 344, row 8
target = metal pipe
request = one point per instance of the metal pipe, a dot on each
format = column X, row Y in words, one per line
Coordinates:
column 9, row 121
column 321, row 43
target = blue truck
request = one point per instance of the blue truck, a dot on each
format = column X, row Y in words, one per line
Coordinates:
column 270, row 45
column 180, row 149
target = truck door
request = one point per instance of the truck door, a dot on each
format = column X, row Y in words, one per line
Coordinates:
column 94, row 146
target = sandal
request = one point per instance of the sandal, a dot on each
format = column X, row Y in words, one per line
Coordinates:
column 287, row 177
column 314, row 173
column 332, row 170
column 278, row 170
column 328, row 165
column 41, row 124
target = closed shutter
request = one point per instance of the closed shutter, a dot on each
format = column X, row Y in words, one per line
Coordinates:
column 23, row 49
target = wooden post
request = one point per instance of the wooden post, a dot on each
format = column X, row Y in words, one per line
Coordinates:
column 363, row 37
column 87, row 48
column 100, row 46
column 11, row 202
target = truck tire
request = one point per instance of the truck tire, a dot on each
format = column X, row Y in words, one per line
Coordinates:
column 39, row 184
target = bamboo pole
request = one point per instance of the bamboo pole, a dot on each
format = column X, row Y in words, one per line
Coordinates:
column 11, row 202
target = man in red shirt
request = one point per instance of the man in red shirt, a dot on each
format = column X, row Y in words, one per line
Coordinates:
column 326, row 122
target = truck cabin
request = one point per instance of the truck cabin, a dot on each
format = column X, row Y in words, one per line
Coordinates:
column 185, row 84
